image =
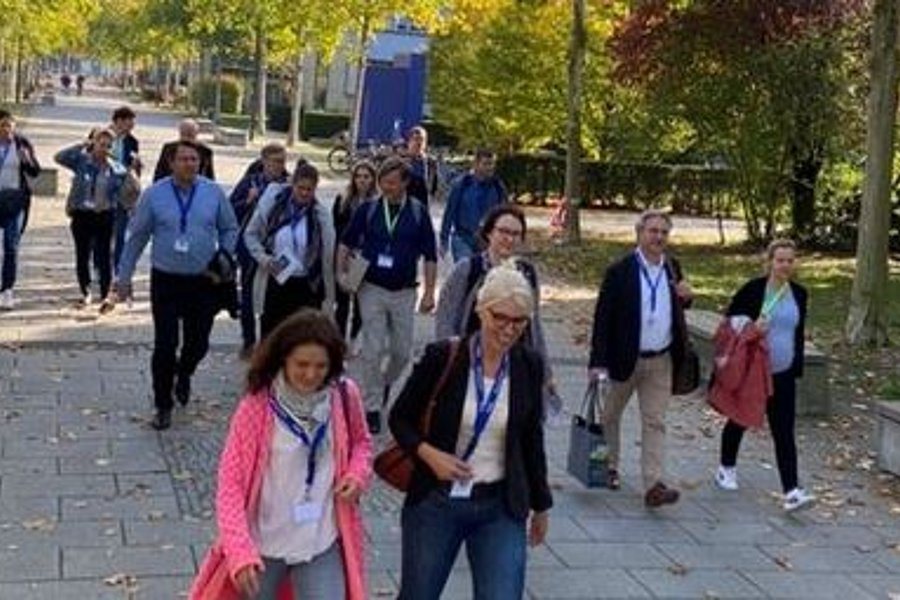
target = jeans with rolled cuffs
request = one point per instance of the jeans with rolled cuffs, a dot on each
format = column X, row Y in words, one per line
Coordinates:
column 434, row 529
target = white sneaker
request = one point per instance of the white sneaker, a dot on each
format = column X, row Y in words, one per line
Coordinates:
column 7, row 301
column 798, row 498
column 87, row 299
column 726, row 478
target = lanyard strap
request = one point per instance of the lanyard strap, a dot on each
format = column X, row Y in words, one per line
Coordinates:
column 391, row 224
column 297, row 429
column 297, row 216
column 184, row 207
column 771, row 300
column 4, row 153
column 653, row 285
column 486, row 403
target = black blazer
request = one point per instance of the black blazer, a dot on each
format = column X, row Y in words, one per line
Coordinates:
column 164, row 163
column 526, row 464
column 616, row 337
column 749, row 300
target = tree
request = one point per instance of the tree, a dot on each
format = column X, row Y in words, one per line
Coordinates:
column 867, row 315
column 575, row 77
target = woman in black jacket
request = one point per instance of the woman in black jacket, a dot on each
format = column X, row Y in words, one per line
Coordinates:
column 481, row 468
column 778, row 306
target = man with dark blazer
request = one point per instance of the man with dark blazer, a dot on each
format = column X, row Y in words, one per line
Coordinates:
column 637, row 344
column 188, row 130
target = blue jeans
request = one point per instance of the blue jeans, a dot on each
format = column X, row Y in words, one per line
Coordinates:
column 433, row 531
column 463, row 247
column 12, row 233
column 120, row 225
column 322, row 578
column 247, row 268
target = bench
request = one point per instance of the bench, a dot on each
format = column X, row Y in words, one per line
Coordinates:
column 227, row 136
column 813, row 397
column 206, row 126
column 48, row 99
column 46, row 183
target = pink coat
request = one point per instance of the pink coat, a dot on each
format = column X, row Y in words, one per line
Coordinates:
column 742, row 383
column 241, row 468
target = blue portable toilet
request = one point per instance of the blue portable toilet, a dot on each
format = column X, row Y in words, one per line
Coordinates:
column 393, row 98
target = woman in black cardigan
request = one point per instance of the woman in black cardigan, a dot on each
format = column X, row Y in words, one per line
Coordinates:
column 481, row 469
column 778, row 306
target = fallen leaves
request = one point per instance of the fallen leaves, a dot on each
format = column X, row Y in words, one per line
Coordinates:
column 128, row 583
column 783, row 563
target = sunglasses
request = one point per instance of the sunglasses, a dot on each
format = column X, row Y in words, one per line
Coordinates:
column 503, row 320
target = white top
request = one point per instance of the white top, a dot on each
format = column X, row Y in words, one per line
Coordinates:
column 9, row 170
column 291, row 241
column 656, row 325
column 283, row 487
column 488, row 461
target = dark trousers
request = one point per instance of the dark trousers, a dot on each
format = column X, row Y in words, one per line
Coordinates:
column 434, row 530
column 284, row 300
column 92, row 232
column 12, row 233
column 181, row 304
column 781, row 412
column 342, row 313
column 121, row 218
column 247, row 267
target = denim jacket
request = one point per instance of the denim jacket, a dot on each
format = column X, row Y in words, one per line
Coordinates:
column 76, row 159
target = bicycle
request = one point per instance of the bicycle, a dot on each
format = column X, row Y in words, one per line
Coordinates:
column 341, row 158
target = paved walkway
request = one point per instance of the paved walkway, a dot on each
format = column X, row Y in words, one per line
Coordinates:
column 94, row 504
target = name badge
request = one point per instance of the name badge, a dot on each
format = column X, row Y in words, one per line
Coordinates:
column 385, row 261
column 462, row 489
column 182, row 246
column 307, row 512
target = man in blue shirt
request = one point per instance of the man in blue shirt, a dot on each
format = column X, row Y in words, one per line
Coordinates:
column 392, row 233
column 471, row 197
column 190, row 220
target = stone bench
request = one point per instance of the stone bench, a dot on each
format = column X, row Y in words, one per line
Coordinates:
column 46, row 183
column 888, row 435
column 813, row 397
column 226, row 136
column 48, row 99
column 206, row 126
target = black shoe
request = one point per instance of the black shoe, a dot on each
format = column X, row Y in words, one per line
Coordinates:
column 183, row 389
column 373, row 420
column 162, row 420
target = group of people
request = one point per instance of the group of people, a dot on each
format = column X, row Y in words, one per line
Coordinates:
column 298, row 454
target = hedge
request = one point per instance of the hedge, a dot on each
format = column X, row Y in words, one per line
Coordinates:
column 203, row 94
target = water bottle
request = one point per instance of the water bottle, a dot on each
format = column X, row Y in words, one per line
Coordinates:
column 597, row 461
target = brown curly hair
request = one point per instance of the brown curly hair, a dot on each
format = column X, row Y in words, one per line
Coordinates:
column 306, row 326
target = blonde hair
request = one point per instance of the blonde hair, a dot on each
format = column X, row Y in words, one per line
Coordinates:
column 777, row 244
column 505, row 282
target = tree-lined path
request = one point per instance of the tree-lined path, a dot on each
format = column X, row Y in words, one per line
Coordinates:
column 94, row 504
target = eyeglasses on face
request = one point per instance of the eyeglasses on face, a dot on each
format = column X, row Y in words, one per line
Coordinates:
column 513, row 233
column 503, row 320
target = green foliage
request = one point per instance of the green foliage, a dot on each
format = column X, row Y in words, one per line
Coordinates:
column 203, row 94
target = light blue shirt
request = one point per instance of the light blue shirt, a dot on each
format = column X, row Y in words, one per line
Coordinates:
column 210, row 225
column 783, row 322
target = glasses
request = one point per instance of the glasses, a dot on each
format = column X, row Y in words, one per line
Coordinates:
column 513, row 233
column 504, row 321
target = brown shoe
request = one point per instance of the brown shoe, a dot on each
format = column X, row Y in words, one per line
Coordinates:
column 612, row 479
column 660, row 495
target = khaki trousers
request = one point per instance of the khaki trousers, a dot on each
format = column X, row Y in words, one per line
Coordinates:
column 387, row 328
column 652, row 380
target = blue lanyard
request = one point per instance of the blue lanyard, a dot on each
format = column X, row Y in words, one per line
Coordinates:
column 653, row 285
column 4, row 153
column 486, row 403
column 294, row 427
column 184, row 207
column 297, row 215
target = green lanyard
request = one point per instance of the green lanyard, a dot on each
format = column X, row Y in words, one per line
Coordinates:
column 391, row 224
column 772, row 299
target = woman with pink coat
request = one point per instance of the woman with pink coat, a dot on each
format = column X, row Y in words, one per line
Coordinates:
column 295, row 462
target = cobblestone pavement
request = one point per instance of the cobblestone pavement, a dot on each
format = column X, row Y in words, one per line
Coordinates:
column 94, row 504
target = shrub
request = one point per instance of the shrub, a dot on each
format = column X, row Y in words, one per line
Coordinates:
column 203, row 94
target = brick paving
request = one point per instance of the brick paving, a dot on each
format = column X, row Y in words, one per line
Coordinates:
column 94, row 504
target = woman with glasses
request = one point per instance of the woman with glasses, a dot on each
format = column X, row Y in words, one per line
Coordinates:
column 481, row 472
column 502, row 233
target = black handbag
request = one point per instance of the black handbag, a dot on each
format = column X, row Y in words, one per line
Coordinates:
column 588, row 457
column 12, row 202
column 686, row 378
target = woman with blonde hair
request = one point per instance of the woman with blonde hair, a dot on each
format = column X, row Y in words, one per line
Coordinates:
column 481, row 471
column 777, row 306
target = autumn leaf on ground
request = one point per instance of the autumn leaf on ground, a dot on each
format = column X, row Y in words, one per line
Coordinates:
column 678, row 569
column 784, row 563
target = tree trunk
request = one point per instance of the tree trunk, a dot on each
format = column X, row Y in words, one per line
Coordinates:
column 20, row 48
column 577, row 50
column 258, row 117
column 217, row 105
column 867, row 316
column 361, row 62
column 296, row 104
column 805, row 168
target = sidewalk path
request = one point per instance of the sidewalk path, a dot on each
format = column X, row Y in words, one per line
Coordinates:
column 94, row 504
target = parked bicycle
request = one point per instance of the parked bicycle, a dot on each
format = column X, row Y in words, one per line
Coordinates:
column 341, row 157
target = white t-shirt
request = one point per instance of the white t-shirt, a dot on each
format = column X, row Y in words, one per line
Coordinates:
column 9, row 169
column 488, row 461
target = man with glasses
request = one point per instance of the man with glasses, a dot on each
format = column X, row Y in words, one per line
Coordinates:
column 471, row 197
column 272, row 169
column 637, row 344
